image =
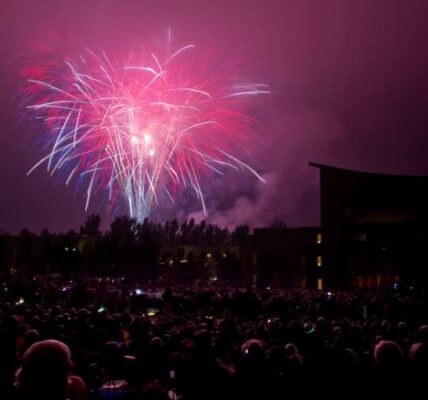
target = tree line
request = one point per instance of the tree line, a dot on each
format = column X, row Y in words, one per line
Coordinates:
column 126, row 246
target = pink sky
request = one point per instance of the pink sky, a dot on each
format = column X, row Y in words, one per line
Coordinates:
column 349, row 80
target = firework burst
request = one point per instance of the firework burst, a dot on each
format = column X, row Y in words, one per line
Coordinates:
column 142, row 130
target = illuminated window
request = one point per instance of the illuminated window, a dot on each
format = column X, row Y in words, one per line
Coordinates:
column 209, row 255
column 319, row 284
column 319, row 238
column 359, row 282
column 362, row 237
column 319, row 261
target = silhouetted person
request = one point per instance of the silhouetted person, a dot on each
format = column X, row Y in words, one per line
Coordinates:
column 46, row 373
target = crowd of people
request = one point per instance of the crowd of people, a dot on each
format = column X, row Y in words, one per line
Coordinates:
column 106, row 337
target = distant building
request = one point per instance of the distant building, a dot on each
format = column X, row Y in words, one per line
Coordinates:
column 374, row 227
column 37, row 254
column 285, row 257
column 276, row 256
column 216, row 262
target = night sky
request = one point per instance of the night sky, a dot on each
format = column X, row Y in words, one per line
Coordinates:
column 349, row 82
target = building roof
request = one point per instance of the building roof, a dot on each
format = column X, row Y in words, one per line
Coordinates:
column 353, row 171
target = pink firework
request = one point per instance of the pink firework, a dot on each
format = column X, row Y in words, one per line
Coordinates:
column 143, row 129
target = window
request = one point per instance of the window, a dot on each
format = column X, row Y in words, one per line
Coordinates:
column 319, row 284
column 362, row 237
column 319, row 238
column 359, row 281
column 319, row 261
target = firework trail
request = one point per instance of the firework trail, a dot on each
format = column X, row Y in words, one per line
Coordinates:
column 142, row 130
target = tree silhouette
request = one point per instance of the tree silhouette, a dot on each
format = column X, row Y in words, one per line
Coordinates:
column 91, row 227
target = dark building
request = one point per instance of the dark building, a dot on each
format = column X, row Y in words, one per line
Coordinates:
column 276, row 256
column 285, row 257
column 215, row 262
column 31, row 253
column 374, row 228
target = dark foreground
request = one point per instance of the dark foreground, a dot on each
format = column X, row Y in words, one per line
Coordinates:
column 202, row 342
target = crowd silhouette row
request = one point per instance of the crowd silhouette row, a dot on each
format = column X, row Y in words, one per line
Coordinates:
column 112, row 337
